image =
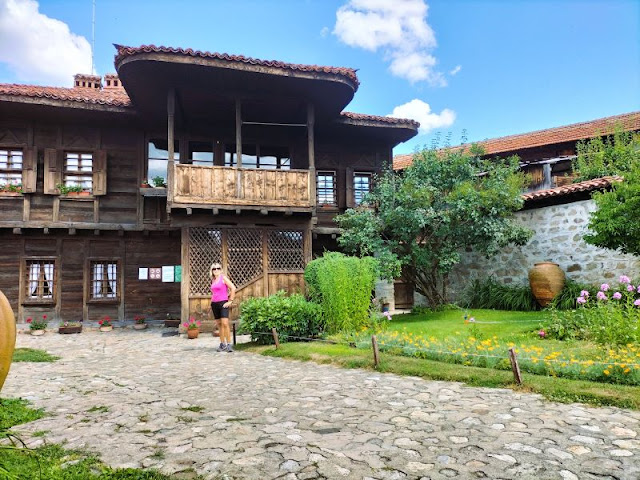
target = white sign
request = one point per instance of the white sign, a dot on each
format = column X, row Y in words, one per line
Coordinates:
column 143, row 274
column 167, row 274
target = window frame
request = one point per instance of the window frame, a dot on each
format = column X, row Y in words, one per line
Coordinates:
column 26, row 263
column 333, row 174
column 78, row 173
column 369, row 175
column 12, row 171
column 89, row 283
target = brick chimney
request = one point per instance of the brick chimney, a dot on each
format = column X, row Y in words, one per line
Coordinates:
column 112, row 82
column 83, row 80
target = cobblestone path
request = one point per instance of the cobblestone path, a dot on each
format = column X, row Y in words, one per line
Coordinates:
column 126, row 394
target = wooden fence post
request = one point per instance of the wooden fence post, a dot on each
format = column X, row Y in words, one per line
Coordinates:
column 514, row 366
column 374, row 344
column 275, row 337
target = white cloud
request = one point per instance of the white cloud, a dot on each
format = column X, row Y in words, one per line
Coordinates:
column 399, row 29
column 324, row 32
column 40, row 49
column 421, row 112
column 455, row 70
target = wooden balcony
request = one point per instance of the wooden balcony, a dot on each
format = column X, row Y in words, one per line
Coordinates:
column 196, row 186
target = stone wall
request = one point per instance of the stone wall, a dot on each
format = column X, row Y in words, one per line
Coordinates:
column 557, row 238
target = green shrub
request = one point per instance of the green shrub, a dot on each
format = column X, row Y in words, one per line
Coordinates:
column 342, row 285
column 566, row 299
column 489, row 293
column 290, row 315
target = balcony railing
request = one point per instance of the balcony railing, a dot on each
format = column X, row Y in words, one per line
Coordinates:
column 196, row 185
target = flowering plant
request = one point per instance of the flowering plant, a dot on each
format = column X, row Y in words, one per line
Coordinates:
column 139, row 319
column 71, row 324
column 38, row 324
column 105, row 321
column 192, row 324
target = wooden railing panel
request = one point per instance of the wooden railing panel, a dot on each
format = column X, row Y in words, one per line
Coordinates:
column 195, row 184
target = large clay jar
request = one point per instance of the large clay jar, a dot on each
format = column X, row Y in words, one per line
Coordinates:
column 546, row 280
column 7, row 337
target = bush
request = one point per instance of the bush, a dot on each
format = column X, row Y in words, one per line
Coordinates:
column 290, row 315
column 566, row 299
column 342, row 285
column 491, row 294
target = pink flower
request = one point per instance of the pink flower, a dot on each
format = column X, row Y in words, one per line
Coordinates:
column 584, row 293
column 637, row 303
column 542, row 333
column 185, row 324
column 472, row 320
column 604, row 287
column 624, row 279
column 44, row 317
column 638, row 288
column 601, row 296
column 617, row 296
column 630, row 288
column 581, row 300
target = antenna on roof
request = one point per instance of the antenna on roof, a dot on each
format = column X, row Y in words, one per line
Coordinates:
column 93, row 37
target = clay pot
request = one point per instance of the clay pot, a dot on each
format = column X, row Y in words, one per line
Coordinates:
column 139, row 326
column 37, row 333
column 546, row 280
column 106, row 329
column 7, row 337
column 193, row 333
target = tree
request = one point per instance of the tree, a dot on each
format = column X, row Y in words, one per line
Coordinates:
column 443, row 203
column 613, row 155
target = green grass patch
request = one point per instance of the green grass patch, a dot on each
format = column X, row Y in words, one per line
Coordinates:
column 552, row 388
column 98, row 409
column 193, row 408
column 14, row 411
column 33, row 355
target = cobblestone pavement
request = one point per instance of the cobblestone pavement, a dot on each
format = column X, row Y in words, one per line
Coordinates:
column 126, row 394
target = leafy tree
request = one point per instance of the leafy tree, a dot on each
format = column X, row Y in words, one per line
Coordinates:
column 424, row 218
column 616, row 223
column 600, row 157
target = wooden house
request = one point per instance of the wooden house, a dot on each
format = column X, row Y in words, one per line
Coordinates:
column 257, row 156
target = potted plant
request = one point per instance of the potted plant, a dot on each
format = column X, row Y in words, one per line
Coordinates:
column 105, row 324
column 70, row 327
column 193, row 327
column 140, row 322
column 37, row 327
column 11, row 189
column 158, row 182
column 145, row 184
column 171, row 321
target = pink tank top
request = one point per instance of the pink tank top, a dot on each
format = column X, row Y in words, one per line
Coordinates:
column 219, row 290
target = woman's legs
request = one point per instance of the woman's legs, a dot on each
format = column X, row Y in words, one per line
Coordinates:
column 225, row 332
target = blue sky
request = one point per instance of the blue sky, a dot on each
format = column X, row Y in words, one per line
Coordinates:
column 487, row 68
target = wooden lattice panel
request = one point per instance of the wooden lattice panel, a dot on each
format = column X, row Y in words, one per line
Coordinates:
column 286, row 250
column 244, row 254
column 205, row 248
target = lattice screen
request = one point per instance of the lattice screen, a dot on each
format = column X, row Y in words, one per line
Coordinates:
column 244, row 254
column 286, row 250
column 205, row 248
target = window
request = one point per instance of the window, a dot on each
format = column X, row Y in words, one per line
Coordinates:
column 40, row 280
column 78, row 170
column 259, row 156
column 361, row 186
column 202, row 153
column 158, row 157
column 10, row 166
column 326, row 188
column 104, row 280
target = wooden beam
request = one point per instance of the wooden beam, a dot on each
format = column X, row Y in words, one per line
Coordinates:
column 238, row 133
column 311, row 120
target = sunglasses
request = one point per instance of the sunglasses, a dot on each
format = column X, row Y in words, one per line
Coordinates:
column 216, row 268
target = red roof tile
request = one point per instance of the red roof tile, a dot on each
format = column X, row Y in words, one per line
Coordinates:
column 124, row 51
column 96, row 96
column 586, row 186
column 376, row 118
column 549, row 136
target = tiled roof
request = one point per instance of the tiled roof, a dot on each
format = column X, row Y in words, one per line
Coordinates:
column 83, row 95
column 549, row 136
column 376, row 118
column 124, row 51
column 586, row 186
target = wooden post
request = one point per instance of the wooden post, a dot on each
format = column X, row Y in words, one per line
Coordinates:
column 275, row 337
column 514, row 366
column 239, row 148
column 311, row 120
column 376, row 354
column 171, row 111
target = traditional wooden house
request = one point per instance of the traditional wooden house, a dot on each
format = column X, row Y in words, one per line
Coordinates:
column 257, row 156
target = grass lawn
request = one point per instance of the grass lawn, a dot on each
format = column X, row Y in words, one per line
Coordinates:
column 32, row 355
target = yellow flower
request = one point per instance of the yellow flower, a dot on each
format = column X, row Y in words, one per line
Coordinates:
column 606, row 372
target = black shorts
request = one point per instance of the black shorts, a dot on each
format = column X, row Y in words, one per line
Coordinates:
column 219, row 311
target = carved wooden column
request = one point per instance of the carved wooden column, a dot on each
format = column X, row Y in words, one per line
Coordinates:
column 171, row 110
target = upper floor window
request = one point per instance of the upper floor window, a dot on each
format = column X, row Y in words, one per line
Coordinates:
column 158, row 157
column 202, row 153
column 361, row 186
column 78, row 170
column 40, row 281
column 326, row 190
column 104, row 280
column 10, row 166
column 259, row 156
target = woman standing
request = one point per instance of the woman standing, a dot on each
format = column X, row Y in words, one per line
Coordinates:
column 223, row 291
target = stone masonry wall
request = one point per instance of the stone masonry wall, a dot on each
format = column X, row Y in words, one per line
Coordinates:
column 557, row 238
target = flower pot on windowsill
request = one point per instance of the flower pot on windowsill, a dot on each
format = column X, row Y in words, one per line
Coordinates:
column 69, row 329
column 37, row 333
column 11, row 194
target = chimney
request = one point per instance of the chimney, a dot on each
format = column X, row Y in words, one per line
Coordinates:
column 112, row 82
column 83, row 80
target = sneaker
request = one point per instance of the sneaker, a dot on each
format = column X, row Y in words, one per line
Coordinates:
column 230, row 348
column 222, row 347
